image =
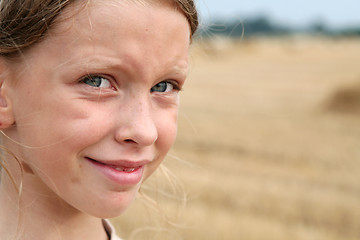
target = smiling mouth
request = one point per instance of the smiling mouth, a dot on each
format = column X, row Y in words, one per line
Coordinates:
column 120, row 172
column 121, row 166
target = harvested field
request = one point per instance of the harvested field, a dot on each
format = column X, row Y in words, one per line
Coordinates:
column 268, row 145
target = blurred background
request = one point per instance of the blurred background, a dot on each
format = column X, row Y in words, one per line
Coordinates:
column 269, row 129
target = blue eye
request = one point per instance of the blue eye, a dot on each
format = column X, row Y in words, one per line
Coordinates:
column 96, row 81
column 163, row 87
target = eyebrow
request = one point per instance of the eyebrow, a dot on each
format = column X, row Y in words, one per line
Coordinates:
column 100, row 63
column 92, row 62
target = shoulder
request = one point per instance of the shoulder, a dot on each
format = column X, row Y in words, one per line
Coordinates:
column 110, row 230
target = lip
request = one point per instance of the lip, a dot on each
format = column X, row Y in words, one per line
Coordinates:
column 121, row 172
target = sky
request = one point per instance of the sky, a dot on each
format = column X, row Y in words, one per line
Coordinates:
column 299, row 13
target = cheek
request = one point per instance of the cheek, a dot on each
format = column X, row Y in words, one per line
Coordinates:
column 56, row 161
column 61, row 120
column 58, row 133
column 167, row 129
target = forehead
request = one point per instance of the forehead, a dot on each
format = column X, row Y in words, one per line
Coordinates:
column 118, row 29
column 139, row 17
column 129, row 11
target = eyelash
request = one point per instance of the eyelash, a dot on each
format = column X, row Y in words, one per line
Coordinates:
column 93, row 79
column 175, row 86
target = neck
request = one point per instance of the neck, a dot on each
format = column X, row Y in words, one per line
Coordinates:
column 37, row 215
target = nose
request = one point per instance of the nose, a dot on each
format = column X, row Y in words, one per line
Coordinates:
column 136, row 124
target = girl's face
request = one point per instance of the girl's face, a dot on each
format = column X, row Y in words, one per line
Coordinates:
column 95, row 103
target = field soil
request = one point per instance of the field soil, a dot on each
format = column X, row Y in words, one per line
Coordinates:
column 268, row 146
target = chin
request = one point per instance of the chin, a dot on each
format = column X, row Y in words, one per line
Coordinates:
column 112, row 207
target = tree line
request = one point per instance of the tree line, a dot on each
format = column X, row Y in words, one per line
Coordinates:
column 262, row 25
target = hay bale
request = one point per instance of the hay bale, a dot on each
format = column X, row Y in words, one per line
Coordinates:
column 345, row 100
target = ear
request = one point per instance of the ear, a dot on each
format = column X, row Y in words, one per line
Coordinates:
column 6, row 112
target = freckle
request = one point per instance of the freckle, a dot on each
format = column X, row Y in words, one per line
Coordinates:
column 75, row 180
